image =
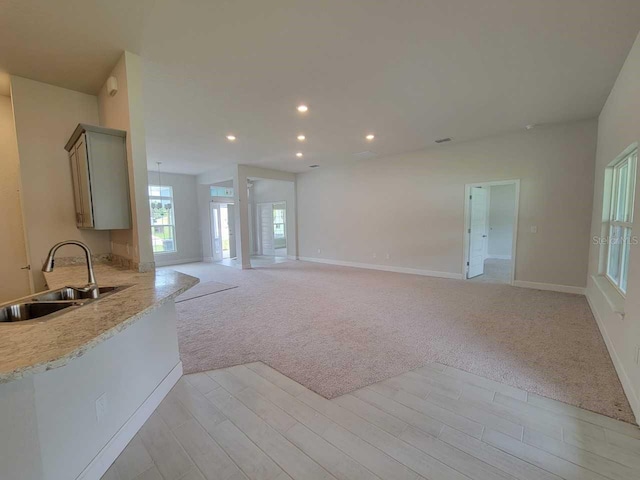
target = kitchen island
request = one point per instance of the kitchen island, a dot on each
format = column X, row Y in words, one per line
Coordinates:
column 76, row 387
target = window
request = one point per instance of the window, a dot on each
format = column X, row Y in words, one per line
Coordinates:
column 621, row 220
column 278, row 222
column 221, row 191
column 163, row 231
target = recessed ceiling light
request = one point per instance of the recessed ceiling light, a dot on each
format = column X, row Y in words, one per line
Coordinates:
column 299, row 154
column 370, row 137
column 302, row 108
column 231, row 138
column 302, row 138
column 531, row 126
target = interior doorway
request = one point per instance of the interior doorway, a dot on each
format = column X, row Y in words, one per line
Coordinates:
column 491, row 222
column 271, row 228
column 223, row 231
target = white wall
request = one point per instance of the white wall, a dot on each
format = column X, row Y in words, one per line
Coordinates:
column 124, row 111
column 412, row 206
column 619, row 127
column 14, row 282
column 271, row 191
column 45, row 118
column 502, row 203
column 188, row 235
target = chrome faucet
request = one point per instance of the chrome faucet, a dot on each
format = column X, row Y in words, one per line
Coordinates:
column 92, row 286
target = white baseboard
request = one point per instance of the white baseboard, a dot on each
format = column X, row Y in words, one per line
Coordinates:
column 384, row 268
column 160, row 262
column 499, row 257
column 103, row 460
column 292, row 257
column 627, row 385
column 208, row 259
column 550, row 286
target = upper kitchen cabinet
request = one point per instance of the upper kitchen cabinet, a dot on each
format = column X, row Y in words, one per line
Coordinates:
column 100, row 174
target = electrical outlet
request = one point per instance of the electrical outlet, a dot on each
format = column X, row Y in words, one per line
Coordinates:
column 388, row 256
column 101, row 407
column 534, row 229
column 375, row 255
column 319, row 251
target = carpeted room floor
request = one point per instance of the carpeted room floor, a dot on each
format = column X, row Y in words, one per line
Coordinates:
column 335, row 329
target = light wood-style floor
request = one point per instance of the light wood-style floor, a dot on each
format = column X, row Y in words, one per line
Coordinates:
column 436, row 422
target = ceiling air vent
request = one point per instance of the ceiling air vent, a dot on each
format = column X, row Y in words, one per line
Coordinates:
column 443, row 140
column 365, row 154
column 314, row 166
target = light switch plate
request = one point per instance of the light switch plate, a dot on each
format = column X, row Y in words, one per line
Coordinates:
column 534, row 229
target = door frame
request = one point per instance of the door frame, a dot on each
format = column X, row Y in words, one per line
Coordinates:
column 467, row 223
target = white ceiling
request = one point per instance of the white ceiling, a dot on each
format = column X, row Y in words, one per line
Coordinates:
column 410, row 71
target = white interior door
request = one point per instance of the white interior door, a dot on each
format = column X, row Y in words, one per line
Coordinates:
column 216, row 232
column 477, row 231
column 265, row 215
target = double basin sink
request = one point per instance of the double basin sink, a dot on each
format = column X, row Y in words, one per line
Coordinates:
column 50, row 303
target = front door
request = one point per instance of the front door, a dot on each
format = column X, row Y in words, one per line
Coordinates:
column 477, row 231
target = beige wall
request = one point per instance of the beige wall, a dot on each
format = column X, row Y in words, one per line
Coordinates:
column 411, row 206
column 124, row 111
column 14, row 282
column 45, row 118
column 619, row 127
column 188, row 235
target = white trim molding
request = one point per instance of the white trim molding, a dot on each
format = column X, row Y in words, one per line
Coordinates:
column 176, row 261
column 103, row 460
column 627, row 384
column 550, row 286
column 384, row 268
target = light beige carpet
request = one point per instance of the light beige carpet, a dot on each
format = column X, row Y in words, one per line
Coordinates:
column 203, row 289
column 335, row 329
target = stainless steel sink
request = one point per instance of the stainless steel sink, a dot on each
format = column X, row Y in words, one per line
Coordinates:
column 18, row 312
column 51, row 303
column 69, row 293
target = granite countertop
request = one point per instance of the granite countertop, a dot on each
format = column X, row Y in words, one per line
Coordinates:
column 36, row 345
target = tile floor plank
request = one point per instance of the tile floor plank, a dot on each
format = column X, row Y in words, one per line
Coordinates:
column 493, row 456
column 457, row 459
column 586, row 415
column 250, row 422
column 406, row 414
column 429, row 409
column 486, row 383
column 540, row 458
column 269, row 412
column 588, row 460
column 290, row 458
column 331, row 458
column 133, row 460
column 203, row 382
column 372, row 414
column 254, row 463
column 168, row 455
column 208, row 456
column 404, row 453
column 275, row 377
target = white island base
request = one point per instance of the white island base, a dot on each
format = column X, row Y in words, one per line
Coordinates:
column 72, row 422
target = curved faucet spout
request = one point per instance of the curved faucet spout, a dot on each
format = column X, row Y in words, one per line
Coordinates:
column 91, row 279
